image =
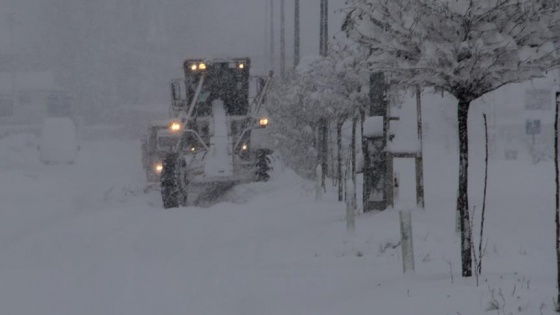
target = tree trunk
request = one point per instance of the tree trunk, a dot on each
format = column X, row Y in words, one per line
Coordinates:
column 324, row 138
column 480, row 254
column 339, row 159
column 557, row 219
column 420, row 159
column 463, row 197
column 353, row 154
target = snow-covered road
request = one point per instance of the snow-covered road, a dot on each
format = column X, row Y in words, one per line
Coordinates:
column 87, row 239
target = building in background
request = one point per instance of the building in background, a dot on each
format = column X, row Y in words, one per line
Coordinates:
column 26, row 98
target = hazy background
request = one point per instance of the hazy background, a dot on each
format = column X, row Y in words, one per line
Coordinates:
column 111, row 53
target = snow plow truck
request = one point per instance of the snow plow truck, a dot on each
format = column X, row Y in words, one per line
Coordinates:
column 161, row 138
column 218, row 120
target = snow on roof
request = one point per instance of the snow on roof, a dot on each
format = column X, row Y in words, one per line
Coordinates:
column 27, row 81
column 373, row 126
column 404, row 145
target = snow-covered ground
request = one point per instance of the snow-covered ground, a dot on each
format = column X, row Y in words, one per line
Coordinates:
column 87, row 239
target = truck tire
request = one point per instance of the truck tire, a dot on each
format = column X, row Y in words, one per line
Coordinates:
column 263, row 165
column 172, row 193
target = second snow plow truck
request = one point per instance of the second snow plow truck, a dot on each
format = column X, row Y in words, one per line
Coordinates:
column 215, row 150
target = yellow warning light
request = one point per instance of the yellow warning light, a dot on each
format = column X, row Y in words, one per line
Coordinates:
column 158, row 167
column 202, row 66
column 263, row 122
column 175, row 126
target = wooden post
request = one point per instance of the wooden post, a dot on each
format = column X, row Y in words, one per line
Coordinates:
column 318, row 182
column 350, row 205
column 339, row 125
column 406, row 241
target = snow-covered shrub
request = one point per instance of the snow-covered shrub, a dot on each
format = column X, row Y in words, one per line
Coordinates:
column 332, row 88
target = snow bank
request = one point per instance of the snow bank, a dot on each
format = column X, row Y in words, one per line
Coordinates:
column 18, row 151
column 59, row 142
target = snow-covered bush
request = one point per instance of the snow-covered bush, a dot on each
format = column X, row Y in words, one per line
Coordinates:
column 321, row 88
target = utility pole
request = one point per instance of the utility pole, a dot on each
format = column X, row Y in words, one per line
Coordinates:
column 272, row 34
column 282, row 39
column 12, row 55
column 324, row 29
column 557, row 212
column 296, row 33
column 321, row 28
column 266, row 31
column 323, row 123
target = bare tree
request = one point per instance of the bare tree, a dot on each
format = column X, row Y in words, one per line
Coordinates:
column 465, row 48
column 480, row 253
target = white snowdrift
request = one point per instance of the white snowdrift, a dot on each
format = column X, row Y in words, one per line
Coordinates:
column 59, row 144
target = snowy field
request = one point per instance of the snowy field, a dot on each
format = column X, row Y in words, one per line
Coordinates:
column 87, row 239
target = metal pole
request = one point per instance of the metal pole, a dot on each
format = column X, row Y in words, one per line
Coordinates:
column 325, row 27
column 272, row 34
column 557, row 180
column 296, row 33
column 12, row 54
column 266, row 30
column 321, row 28
column 282, row 39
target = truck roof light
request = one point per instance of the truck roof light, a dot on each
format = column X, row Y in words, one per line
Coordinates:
column 175, row 126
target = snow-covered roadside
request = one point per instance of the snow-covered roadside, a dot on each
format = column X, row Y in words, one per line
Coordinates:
column 85, row 239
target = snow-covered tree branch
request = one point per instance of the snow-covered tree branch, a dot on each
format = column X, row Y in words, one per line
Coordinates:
column 321, row 88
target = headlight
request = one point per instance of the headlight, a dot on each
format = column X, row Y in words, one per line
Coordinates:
column 244, row 147
column 202, row 66
column 194, row 67
column 175, row 126
column 263, row 122
column 241, row 66
column 158, row 168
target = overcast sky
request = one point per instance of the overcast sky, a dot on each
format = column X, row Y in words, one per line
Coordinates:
column 126, row 51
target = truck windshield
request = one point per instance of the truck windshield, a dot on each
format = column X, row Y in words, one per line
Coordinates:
column 164, row 143
column 230, row 84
